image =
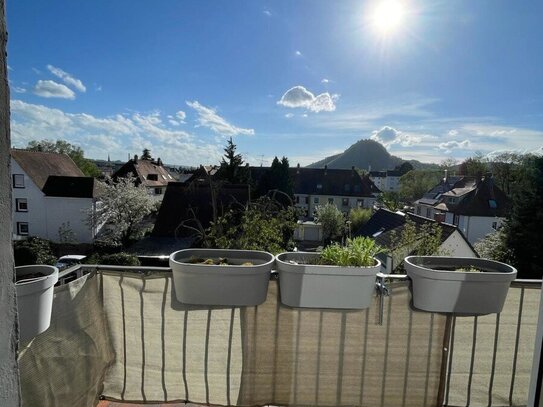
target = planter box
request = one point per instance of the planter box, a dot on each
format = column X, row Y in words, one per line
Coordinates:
column 437, row 289
column 34, row 299
column 315, row 286
column 231, row 285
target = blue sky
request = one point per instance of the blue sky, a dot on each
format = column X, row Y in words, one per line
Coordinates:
column 305, row 79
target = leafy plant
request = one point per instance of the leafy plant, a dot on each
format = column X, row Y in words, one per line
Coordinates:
column 33, row 250
column 115, row 259
column 331, row 219
column 358, row 252
column 359, row 217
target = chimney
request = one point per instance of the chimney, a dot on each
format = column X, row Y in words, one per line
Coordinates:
column 298, row 168
column 135, row 158
column 325, row 169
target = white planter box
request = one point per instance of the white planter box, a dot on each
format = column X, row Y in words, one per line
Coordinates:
column 231, row 285
column 436, row 289
column 315, row 286
column 34, row 299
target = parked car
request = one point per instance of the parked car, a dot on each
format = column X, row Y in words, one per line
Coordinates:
column 70, row 260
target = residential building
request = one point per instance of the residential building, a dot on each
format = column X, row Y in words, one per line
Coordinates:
column 50, row 193
column 149, row 172
column 476, row 206
column 386, row 228
column 386, row 181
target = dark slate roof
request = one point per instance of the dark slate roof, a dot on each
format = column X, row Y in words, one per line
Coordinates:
column 477, row 201
column 70, row 187
column 141, row 169
column 332, row 181
column 384, row 225
column 448, row 184
column 182, row 202
column 39, row 165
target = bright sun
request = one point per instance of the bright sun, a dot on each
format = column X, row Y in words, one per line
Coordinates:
column 388, row 16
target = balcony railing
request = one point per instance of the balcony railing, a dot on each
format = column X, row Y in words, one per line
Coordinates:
column 119, row 333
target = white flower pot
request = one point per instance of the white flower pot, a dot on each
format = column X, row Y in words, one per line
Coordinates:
column 315, row 286
column 34, row 299
column 437, row 288
column 230, row 285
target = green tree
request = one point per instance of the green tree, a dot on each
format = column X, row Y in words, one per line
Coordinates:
column 359, row 217
column 475, row 166
column 264, row 224
column 404, row 168
column 390, row 200
column 33, row 250
column 494, row 246
column 121, row 210
column 146, row 154
column 332, row 221
column 231, row 168
column 63, row 147
column 523, row 230
column 416, row 183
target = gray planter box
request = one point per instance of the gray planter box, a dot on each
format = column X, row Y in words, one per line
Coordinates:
column 34, row 299
column 436, row 289
column 230, row 285
column 314, row 286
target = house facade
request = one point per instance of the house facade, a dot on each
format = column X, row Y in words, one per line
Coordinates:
column 345, row 189
column 386, row 181
column 50, row 195
column 476, row 206
column 149, row 172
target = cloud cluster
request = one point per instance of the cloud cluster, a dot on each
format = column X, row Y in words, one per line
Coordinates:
column 117, row 134
column 208, row 117
column 449, row 146
column 389, row 136
column 67, row 78
column 52, row 89
column 300, row 97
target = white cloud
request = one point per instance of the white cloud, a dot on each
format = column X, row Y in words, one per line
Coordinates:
column 453, row 133
column 117, row 134
column 389, row 136
column 324, row 80
column 174, row 122
column 181, row 116
column 449, row 146
column 18, row 89
column 267, row 12
column 300, row 97
column 52, row 89
column 289, row 115
column 67, row 78
column 208, row 117
column 298, row 53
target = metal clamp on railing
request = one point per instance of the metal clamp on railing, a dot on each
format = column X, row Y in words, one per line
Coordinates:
column 382, row 291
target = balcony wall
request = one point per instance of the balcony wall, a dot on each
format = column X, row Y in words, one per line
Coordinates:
column 124, row 336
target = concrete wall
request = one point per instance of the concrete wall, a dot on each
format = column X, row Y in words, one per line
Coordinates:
column 9, row 335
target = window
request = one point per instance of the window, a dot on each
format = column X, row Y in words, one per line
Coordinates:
column 21, row 205
column 158, row 191
column 316, row 200
column 495, row 225
column 306, row 200
column 360, row 203
column 297, row 199
column 452, row 200
column 345, row 202
column 22, row 228
column 331, row 201
column 456, row 220
column 319, row 186
column 418, row 210
column 357, row 188
column 429, row 213
column 18, row 181
column 492, row 204
column 152, row 177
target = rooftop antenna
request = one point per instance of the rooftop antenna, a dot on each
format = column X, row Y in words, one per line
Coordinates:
column 261, row 159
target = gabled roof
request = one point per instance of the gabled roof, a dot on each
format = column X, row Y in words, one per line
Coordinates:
column 141, row 169
column 486, row 199
column 323, row 181
column 183, row 202
column 39, row 165
column 385, row 226
column 70, row 187
column 447, row 184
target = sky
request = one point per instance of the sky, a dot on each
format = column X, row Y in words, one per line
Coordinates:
column 304, row 79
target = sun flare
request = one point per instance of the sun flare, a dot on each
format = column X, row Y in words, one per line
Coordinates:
column 388, row 16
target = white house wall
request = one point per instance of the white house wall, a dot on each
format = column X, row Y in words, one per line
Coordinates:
column 456, row 246
column 477, row 227
column 338, row 201
column 61, row 210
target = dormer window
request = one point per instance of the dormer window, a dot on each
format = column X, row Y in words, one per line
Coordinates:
column 492, row 204
column 319, row 186
column 152, row 177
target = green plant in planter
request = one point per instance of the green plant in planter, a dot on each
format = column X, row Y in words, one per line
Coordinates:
column 359, row 252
